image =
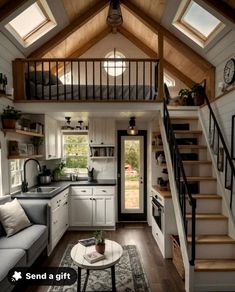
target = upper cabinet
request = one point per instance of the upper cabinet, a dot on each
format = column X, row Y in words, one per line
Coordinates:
column 102, row 132
column 52, row 139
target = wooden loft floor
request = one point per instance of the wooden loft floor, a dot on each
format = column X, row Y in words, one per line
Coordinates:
column 161, row 274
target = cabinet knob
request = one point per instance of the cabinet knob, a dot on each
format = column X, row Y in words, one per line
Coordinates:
column 83, row 191
column 91, row 199
column 104, row 191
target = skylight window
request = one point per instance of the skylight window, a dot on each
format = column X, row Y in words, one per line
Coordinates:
column 115, row 68
column 32, row 23
column 197, row 23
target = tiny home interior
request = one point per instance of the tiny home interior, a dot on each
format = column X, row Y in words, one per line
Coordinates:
column 117, row 116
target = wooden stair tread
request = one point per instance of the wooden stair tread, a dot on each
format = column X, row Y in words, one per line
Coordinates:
column 207, row 196
column 215, row 265
column 200, row 178
column 196, row 161
column 187, row 131
column 206, row 216
column 192, row 146
column 212, row 239
column 183, row 118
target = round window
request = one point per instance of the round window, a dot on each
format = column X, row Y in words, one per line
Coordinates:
column 115, row 68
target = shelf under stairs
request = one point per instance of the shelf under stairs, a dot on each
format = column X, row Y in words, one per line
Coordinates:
column 215, row 249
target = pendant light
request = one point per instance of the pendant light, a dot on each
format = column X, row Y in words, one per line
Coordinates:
column 114, row 18
column 132, row 130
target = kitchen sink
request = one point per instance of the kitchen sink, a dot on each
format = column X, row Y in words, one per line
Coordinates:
column 42, row 190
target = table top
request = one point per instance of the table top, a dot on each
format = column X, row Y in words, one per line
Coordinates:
column 113, row 253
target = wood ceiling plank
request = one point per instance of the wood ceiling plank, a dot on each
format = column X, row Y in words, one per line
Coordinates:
column 8, row 7
column 223, row 8
column 152, row 54
column 70, row 29
column 157, row 27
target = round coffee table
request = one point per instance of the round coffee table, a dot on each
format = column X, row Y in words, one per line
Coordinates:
column 113, row 253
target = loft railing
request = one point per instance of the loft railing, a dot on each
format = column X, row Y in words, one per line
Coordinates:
column 98, row 79
column 184, row 192
column 219, row 147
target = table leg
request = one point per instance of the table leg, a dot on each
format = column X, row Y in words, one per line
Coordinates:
column 86, row 280
column 79, row 279
column 113, row 279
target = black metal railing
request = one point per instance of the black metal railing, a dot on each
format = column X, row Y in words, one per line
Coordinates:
column 217, row 143
column 184, row 192
column 87, row 79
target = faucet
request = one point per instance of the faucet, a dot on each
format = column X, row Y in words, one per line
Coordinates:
column 24, row 186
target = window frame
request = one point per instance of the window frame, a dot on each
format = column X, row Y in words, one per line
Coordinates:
column 75, row 133
column 38, row 31
column 15, row 188
column 189, row 30
column 106, row 68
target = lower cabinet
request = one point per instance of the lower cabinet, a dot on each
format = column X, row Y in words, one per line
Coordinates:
column 95, row 208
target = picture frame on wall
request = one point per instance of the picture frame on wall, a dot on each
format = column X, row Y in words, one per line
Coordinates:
column 233, row 138
column 23, row 149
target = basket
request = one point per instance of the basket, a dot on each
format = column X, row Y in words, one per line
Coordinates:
column 177, row 256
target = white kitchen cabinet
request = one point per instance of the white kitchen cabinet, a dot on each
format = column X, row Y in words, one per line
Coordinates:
column 101, row 131
column 92, row 206
column 52, row 139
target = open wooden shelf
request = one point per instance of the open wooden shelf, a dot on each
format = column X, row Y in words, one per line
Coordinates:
column 21, row 132
column 24, row 156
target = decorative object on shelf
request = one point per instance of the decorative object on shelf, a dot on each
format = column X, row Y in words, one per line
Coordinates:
column 102, row 151
column 68, row 124
column 114, row 18
column 37, row 141
column 23, row 150
column 158, row 140
column 99, row 241
column 9, row 117
column 30, row 149
column 132, row 129
column 36, row 127
column 80, row 126
column 229, row 71
column 160, row 157
column 25, row 124
column 198, row 94
column 233, row 138
column 13, row 148
column 186, row 97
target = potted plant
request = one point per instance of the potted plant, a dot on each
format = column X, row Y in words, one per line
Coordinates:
column 9, row 117
column 37, row 141
column 58, row 171
column 99, row 241
column 198, row 92
column 186, row 96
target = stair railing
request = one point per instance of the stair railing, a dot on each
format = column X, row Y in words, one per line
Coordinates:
column 219, row 147
column 184, row 192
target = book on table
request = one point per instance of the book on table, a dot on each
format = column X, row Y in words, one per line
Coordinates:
column 93, row 257
column 87, row 241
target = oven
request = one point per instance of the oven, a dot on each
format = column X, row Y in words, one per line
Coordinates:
column 157, row 211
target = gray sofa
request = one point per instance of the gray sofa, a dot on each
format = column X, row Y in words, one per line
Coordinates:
column 24, row 247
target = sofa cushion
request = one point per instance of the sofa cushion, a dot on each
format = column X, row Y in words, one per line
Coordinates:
column 10, row 258
column 3, row 200
column 32, row 239
column 13, row 217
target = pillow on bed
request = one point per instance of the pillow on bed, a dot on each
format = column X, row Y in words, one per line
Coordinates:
column 47, row 76
column 13, row 217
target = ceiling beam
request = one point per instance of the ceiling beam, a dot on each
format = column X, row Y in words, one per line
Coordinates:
column 170, row 37
column 68, row 30
column 9, row 7
column 152, row 54
column 223, row 8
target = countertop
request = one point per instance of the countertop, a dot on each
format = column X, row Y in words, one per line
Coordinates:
column 63, row 185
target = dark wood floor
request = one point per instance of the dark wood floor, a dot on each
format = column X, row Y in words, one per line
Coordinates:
column 161, row 274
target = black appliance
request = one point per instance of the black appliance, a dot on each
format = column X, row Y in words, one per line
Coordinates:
column 157, row 211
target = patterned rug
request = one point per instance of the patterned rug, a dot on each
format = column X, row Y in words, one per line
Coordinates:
column 129, row 274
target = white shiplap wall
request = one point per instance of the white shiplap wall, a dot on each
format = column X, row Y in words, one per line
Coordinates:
column 8, row 52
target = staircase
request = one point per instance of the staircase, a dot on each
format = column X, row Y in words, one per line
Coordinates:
column 214, row 267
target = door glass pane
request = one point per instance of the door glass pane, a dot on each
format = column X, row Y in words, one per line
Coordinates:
column 132, row 174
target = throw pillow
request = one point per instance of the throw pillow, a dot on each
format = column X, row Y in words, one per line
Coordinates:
column 13, row 217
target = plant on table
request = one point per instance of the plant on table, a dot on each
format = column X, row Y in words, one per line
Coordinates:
column 99, row 241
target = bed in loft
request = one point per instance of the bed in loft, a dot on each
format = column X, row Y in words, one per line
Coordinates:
column 85, row 79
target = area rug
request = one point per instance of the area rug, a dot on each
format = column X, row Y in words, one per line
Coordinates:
column 129, row 274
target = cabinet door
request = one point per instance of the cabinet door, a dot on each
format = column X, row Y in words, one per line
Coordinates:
column 64, row 217
column 50, row 137
column 81, row 210
column 109, row 132
column 97, row 132
column 55, row 226
column 103, row 211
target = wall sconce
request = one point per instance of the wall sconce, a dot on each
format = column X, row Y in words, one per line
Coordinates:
column 132, row 130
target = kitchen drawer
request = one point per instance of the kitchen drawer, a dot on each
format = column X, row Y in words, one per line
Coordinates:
column 56, row 201
column 81, row 191
column 103, row 191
